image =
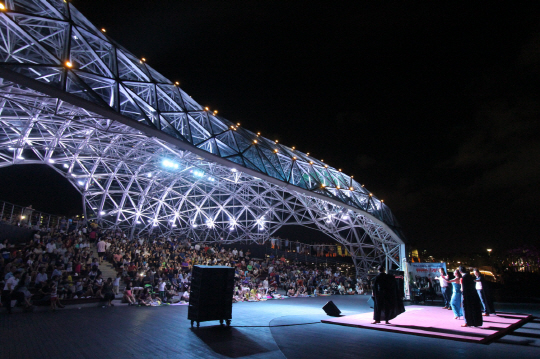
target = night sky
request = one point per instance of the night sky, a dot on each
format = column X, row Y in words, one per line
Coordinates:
column 434, row 107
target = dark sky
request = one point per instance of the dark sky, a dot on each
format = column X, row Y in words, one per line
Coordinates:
column 434, row 107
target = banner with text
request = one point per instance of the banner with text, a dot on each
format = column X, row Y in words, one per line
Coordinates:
column 419, row 272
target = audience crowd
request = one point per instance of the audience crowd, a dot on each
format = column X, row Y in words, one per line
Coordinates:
column 63, row 265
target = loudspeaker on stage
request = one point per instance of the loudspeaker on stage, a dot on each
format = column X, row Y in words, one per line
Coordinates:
column 331, row 309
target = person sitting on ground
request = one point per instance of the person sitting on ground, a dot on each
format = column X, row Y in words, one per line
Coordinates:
column 41, row 277
column 128, row 296
column 185, row 295
column 98, row 286
column 107, row 291
column 144, row 298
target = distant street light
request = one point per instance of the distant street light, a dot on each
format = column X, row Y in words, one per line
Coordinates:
column 489, row 251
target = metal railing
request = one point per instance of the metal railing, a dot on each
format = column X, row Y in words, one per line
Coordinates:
column 27, row 216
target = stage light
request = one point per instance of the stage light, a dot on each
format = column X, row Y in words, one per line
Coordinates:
column 198, row 173
column 169, row 164
column 350, row 188
column 233, row 169
column 51, row 160
column 177, row 83
column 103, row 30
column 81, row 183
column 149, row 175
column 255, row 141
column 2, row 7
column 68, row 64
column 66, row 166
column 102, row 212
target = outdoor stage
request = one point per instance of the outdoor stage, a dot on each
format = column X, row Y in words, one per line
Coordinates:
column 429, row 321
column 289, row 328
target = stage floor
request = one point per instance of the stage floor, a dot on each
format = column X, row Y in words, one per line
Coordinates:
column 438, row 323
column 289, row 328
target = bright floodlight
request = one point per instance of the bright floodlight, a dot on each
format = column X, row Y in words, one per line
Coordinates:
column 170, row 164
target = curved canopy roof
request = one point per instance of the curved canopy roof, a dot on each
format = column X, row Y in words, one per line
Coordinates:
column 53, row 43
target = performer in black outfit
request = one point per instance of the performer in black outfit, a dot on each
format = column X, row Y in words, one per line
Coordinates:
column 484, row 293
column 388, row 302
column 472, row 308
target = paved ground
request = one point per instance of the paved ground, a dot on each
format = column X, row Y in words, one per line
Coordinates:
column 288, row 328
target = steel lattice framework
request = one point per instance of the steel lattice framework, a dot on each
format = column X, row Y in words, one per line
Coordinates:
column 147, row 157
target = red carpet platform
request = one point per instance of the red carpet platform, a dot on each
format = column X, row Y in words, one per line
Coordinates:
column 438, row 323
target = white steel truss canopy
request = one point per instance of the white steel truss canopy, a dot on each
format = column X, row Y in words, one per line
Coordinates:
column 147, row 157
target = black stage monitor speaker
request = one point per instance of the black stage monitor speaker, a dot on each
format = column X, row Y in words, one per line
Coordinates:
column 331, row 309
column 370, row 302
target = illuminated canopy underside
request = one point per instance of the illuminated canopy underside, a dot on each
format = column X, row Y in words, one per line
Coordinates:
column 147, row 157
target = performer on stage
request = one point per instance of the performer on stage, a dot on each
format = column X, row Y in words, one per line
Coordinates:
column 472, row 308
column 455, row 302
column 446, row 288
column 482, row 288
column 388, row 302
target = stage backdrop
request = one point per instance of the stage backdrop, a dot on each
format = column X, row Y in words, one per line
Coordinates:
column 420, row 272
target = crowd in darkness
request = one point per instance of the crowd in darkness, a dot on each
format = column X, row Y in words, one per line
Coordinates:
column 166, row 263
column 61, row 265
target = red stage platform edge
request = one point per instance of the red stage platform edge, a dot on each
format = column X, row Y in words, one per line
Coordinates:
column 438, row 323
